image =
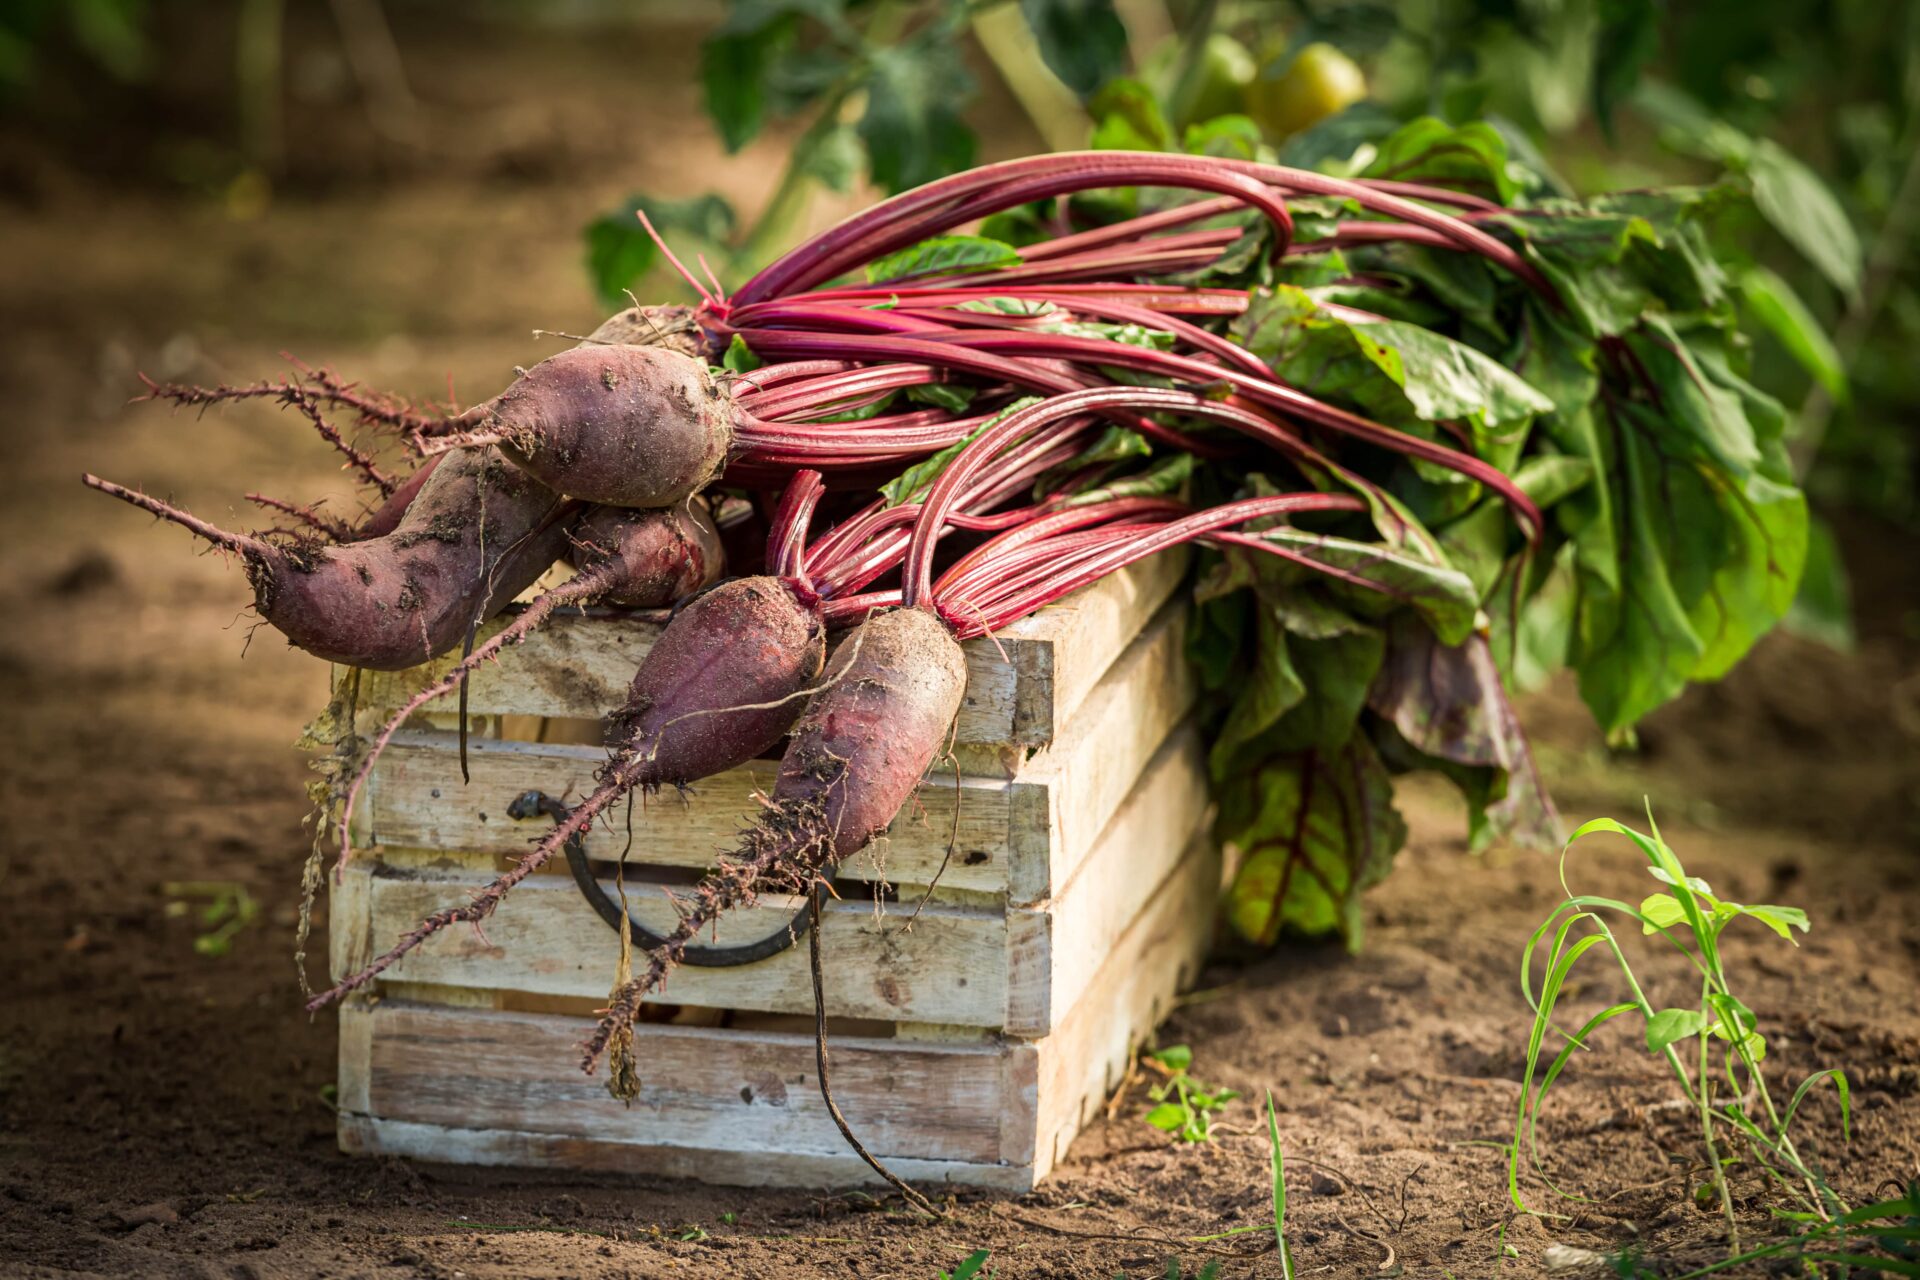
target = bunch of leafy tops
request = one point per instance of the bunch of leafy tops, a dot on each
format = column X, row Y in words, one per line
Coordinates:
column 1612, row 388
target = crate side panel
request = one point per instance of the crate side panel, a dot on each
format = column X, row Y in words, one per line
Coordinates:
column 416, row 800
column 1085, row 633
column 1158, row 955
column 546, row 939
column 1094, row 765
column 1056, row 948
column 722, row 1090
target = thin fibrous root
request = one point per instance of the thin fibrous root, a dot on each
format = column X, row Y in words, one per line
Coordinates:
column 297, row 395
column 327, row 526
column 579, row 589
column 617, row 783
column 219, row 537
column 321, row 383
column 786, row 849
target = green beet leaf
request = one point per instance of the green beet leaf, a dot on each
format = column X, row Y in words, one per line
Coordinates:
column 1447, row 704
column 943, row 255
column 1317, row 828
column 1471, row 158
column 1394, row 372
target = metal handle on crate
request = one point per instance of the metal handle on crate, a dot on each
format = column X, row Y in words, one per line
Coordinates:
column 528, row 803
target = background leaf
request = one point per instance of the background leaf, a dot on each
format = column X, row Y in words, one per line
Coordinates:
column 1774, row 306
column 620, row 252
column 734, row 68
column 1803, row 210
column 912, row 125
column 1082, row 41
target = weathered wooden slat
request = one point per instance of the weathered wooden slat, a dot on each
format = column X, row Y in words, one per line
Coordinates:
column 1097, row 762
column 1157, row 956
column 365, row 1135
column 950, row 968
column 709, row 1088
column 1018, row 691
column 415, row 800
column 1055, row 949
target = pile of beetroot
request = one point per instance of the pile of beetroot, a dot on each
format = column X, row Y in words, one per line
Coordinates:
column 1418, row 421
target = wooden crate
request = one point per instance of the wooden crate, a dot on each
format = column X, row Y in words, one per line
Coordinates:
column 968, row 1046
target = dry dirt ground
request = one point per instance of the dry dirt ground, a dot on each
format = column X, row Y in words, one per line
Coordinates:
column 164, row 1113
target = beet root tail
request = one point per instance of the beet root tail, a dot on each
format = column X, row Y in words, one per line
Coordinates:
column 619, row 781
column 219, row 537
column 786, row 850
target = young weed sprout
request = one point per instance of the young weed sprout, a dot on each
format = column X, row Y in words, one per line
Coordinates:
column 1713, row 1046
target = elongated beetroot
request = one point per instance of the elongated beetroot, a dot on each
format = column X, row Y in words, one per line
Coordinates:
column 718, row 687
column 477, row 534
column 883, row 712
column 881, row 715
column 622, row 425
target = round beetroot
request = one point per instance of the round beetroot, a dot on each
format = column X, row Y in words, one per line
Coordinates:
column 622, row 425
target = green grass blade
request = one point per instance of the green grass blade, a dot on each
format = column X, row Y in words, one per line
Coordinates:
column 1884, row 1265
column 1839, row 1078
column 1279, row 1190
column 1905, row 1207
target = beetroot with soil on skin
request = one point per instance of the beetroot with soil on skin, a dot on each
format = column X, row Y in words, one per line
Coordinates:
column 675, row 328
column 883, row 712
column 477, row 534
column 697, row 706
column 626, row 426
column 393, row 602
column 653, row 557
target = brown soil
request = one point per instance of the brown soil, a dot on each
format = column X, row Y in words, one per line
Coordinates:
column 164, row 1113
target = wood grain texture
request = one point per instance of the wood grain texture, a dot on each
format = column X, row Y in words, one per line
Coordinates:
column 1054, row 949
column 366, row 1135
column 1018, row 690
column 1155, row 958
column 415, row 800
column 545, row 938
column 710, row 1088
column 1068, row 793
